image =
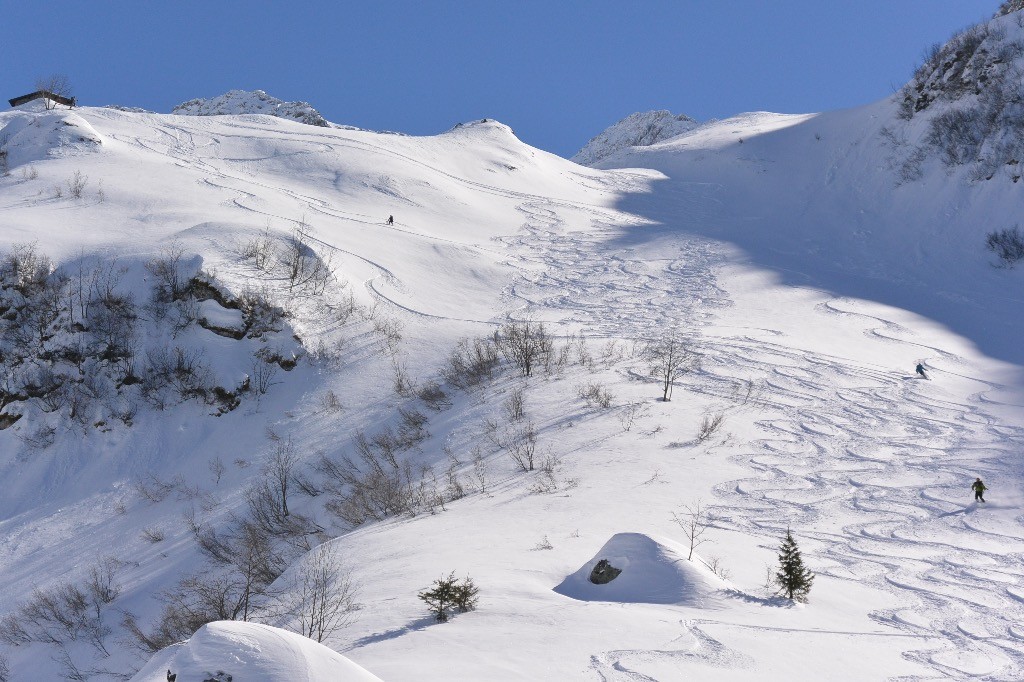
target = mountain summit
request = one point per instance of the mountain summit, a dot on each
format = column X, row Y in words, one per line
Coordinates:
column 255, row 102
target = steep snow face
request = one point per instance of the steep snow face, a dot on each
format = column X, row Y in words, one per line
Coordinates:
column 252, row 652
column 636, row 130
column 236, row 102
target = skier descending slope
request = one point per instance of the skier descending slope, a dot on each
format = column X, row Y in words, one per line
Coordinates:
column 920, row 370
column 979, row 490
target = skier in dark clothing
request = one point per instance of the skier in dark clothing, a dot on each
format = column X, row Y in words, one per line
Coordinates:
column 979, row 490
column 391, row 220
column 920, row 370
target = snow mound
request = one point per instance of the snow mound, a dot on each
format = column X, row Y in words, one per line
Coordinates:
column 235, row 102
column 253, row 653
column 641, row 129
column 34, row 135
column 654, row 571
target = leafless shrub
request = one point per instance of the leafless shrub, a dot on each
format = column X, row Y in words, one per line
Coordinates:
column 480, row 470
column 694, row 521
column 263, row 373
column 718, row 567
column 29, row 173
column 630, row 413
column 170, row 282
column 709, row 424
column 77, row 183
column 524, row 344
column 153, row 535
column 514, row 405
column 669, row 358
column 412, row 429
column 471, row 362
column 390, row 331
column 259, row 249
column 322, row 597
column 595, row 394
column 65, row 613
column 1007, row 244
column 434, row 397
column 217, row 469
column 330, row 402
column 39, row 438
column 520, row 442
column 307, row 270
column 402, row 383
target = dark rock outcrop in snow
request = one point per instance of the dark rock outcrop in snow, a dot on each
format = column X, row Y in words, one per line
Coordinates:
column 969, row 93
column 604, row 573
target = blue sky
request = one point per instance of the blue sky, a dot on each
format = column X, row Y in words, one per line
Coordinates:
column 557, row 72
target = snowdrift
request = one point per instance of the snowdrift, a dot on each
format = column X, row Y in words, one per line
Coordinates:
column 253, row 653
column 31, row 136
column 654, row 571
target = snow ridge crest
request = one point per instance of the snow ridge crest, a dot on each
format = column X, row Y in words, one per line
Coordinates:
column 640, row 129
column 236, row 102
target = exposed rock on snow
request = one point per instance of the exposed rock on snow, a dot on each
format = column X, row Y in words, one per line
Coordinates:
column 236, row 102
column 967, row 92
column 251, row 652
column 604, row 573
column 654, row 571
column 641, row 129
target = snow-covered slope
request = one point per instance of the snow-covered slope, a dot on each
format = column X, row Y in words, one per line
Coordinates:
column 806, row 271
column 636, row 130
column 237, row 102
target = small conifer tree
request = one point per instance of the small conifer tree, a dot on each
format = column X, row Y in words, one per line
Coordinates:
column 450, row 594
column 793, row 578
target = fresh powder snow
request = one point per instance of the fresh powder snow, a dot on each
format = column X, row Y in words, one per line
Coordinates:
column 279, row 341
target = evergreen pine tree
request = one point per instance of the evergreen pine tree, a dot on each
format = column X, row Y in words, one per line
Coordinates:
column 793, row 578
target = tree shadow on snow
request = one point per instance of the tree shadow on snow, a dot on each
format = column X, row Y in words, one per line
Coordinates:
column 419, row 624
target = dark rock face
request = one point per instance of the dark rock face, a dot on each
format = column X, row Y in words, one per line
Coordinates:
column 604, row 573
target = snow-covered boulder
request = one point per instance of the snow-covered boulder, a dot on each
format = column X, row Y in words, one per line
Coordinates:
column 654, row 571
column 236, row 102
column 253, row 653
column 641, row 129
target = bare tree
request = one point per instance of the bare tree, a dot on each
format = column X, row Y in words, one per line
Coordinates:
column 57, row 84
column 669, row 358
column 322, row 596
column 694, row 522
column 525, row 344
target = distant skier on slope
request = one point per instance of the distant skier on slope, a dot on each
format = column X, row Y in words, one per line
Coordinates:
column 979, row 490
column 390, row 220
column 920, row 370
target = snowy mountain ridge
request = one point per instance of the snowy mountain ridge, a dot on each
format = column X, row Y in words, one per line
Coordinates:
column 238, row 102
column 636, row 130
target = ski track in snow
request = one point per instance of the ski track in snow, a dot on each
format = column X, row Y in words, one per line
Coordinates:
column 900, row 466
column 844, row 440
